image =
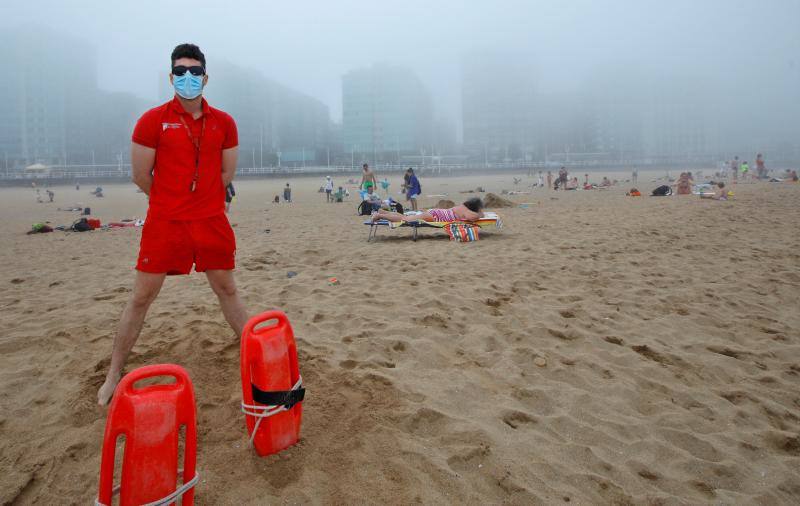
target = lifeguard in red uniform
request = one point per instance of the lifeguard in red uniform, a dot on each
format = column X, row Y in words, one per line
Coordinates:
column 183, row 155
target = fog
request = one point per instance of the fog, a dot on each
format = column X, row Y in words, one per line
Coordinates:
column 737, row 61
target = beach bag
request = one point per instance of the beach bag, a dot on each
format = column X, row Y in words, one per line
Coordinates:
column 462, row 232
column 366, row 207
column 396, row 206
column 662, row 191
column 82, row 225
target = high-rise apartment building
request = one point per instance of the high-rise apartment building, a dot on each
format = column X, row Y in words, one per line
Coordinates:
column 386, row 112
column 270, row 117
column 498, row 97
column 52, row 111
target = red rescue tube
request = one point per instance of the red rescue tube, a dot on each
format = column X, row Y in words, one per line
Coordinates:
column 272, row 390
column 150, row 418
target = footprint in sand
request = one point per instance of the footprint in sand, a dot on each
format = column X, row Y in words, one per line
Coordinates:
column 516, row 419
column 426, row 422
column 469, row 459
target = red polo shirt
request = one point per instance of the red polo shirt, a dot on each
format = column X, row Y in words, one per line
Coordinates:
column 161, row 128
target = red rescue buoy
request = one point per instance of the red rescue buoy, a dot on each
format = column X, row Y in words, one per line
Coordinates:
column 272, row 388
column 150, row 418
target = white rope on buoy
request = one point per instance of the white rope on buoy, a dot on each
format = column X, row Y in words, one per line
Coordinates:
column 262, row 412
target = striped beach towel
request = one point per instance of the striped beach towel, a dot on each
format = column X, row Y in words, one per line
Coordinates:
column 462, row 232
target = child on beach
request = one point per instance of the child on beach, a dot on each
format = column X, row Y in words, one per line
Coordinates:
column 720, row 194
column 471, row 210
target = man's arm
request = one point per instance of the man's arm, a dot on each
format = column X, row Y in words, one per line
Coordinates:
column 229, row 158
column 142, row 161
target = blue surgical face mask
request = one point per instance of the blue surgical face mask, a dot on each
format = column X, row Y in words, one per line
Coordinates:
column 188, row 86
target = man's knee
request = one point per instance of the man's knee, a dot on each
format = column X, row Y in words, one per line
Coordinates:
column 224, row 288
column 143, row 297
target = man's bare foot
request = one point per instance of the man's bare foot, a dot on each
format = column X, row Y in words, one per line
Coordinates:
column 107, row 390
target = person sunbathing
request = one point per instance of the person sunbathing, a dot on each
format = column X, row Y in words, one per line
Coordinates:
column 471, row 210
column 684, row 184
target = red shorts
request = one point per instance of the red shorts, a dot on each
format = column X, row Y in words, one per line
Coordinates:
column 172, row 247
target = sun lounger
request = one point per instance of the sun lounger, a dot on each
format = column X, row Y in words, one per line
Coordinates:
column 489, row 219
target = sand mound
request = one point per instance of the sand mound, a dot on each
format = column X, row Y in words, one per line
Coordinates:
column 445, row 204
column 493, row 201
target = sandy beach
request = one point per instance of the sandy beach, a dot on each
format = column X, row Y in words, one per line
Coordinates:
column 598, row 349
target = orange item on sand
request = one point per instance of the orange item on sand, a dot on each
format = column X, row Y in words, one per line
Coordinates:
column 272, row 388
column 150, row 417
column 636, row 194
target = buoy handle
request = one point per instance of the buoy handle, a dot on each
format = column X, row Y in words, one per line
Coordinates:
column 151, row 371
column 252, row 323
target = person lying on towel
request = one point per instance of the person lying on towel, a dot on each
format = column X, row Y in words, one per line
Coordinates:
column 471, row 210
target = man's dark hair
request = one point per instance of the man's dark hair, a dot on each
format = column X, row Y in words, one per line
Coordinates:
column 188, row 51
column 410, row 170
column 364, row 166
column 474, row 204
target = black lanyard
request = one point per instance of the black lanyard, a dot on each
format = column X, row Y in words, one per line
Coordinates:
column 196, row 143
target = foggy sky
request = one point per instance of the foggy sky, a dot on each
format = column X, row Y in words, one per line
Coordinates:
column 309, row 45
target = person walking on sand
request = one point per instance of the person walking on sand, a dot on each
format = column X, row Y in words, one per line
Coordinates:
column 183, row 156
column 735, row 169
column 328, row 189
column 761, row 171
column 414, row 189
column 562, row 177
column 287, row 193
column 368, row 178
column 549, row 180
